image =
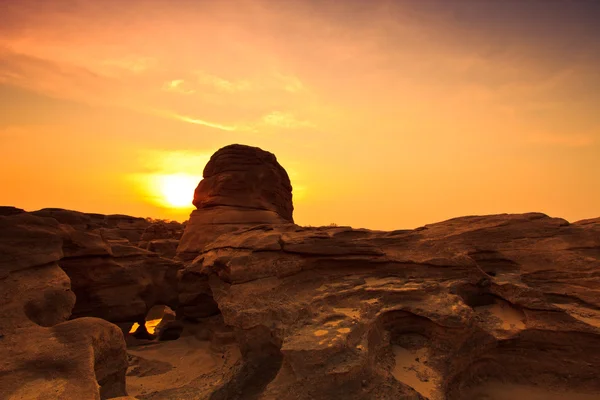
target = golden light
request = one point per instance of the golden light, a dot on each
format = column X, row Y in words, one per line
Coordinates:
column 177, row 190
column 150, row 326
column 168, row 185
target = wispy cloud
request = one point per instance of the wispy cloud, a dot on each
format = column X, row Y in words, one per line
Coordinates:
column 197, row 121
column 285, row 120
column 222, row 84
column 290, row 83
column 177, row 86
column 132, row 63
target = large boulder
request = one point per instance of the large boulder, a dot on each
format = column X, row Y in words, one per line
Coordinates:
column 245, row 177
column 243, row 186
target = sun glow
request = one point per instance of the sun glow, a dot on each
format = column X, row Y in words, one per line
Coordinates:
column 177, row 190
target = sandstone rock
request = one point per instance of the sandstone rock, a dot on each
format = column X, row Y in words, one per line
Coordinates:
column 164, row 247
column 110, row 227
column 76, row 219
column 42, row 355
column 478, row 297
column 8, row 210
column 27, row 241
column 436, row 312
column 171, row 230
column 243, row 186
column 123, row 285
column 245, row 177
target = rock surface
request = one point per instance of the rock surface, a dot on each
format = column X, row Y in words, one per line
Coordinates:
column 493, row 298
column 437, row 312
column 242, row 186
column 43, row 355
column 496, row 307
column 110, row 227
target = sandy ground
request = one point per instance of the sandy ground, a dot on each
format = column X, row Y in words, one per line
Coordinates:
column 505, row 316
column 503, row 391
column 158, row 366
column 411, row 368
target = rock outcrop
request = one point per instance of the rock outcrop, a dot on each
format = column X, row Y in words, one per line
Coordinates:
column 242, row 186
column 438, row 312
column 110, row 227
column 477, row 298
column 162, row 237
column 115, row 281
column 44, row 355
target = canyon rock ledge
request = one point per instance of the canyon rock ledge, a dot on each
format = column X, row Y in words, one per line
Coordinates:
column 473, row 306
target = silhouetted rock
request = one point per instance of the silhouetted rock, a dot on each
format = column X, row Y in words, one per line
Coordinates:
column 162, row 238
column 162, row 230
column 8, row 210
column 110, row 227
column 242, row 186
column 245, row 177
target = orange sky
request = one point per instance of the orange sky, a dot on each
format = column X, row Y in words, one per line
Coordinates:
column 386, row 114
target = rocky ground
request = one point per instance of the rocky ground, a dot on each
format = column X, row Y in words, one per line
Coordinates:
column 242, row 303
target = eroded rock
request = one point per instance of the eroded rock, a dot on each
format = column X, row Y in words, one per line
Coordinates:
column 436, row 312
column 243, row 186
column 44, row 355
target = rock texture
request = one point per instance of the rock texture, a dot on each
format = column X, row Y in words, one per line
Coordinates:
column 43, row 355
column 512, row 298
column 110, row 227
column 115, row 281
column 437, row 312
column 162, row 237
column 242, row 186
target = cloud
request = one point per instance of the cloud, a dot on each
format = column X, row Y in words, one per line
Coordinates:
column 54, row 79
column 290, row 83
column 221, row 84
column 177, row 86
column 132, row 63
column 285, row 120
column 197, row 121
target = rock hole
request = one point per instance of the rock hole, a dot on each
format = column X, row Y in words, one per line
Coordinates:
column 494, row 263
column 410, row 351
column 159, row 323
column 492, row 311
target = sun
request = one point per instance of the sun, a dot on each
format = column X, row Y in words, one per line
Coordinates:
column 177, row 190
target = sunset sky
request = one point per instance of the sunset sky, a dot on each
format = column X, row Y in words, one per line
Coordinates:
column 386, row 114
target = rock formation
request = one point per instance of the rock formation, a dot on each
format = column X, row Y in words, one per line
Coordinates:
column 242, row 186
column 435, row 312
column 110, row 227
column 162, row 237
column 116, row 281
column 498, row 306
column 43, row 355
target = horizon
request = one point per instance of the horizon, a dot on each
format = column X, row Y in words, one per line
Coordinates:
column 387, row 115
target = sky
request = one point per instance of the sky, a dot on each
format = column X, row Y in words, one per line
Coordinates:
column 386, row 114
